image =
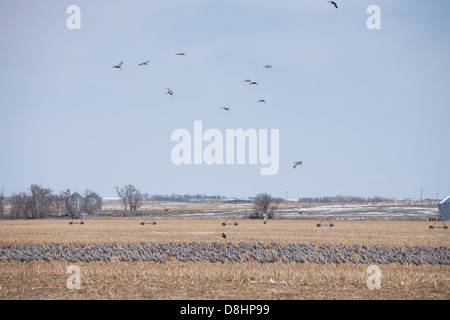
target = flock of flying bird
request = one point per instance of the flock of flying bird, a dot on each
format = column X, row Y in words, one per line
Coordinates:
column 249, row 81
column 170, row 91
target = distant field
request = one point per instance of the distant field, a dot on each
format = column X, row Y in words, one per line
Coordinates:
column 230, row 280
column 97, row 230
column 395, row 210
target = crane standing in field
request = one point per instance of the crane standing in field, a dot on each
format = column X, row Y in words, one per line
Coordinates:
column 265, row 217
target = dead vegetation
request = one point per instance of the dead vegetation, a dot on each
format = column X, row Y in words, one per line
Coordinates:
column 230, row 280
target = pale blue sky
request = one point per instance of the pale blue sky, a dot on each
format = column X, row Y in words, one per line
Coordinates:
column 366, row 110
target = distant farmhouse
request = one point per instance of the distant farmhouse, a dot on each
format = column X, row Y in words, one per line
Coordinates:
column 77, row 204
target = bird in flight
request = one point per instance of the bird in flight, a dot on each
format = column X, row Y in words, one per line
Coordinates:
column 261, row 100
column 118, row 66
column 169, row 91
column 333, row 3
column 247, row 80
column 225, row 108
column 268, row 66
column 253, row 82
column 223, row 235
column 144, row 63
column 180, row 54
column 298, row 163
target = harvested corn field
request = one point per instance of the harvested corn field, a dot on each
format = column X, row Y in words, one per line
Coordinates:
column 189, row 259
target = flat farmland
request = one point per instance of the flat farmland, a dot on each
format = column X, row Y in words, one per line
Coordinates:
column 97, row 230
column 250, row 279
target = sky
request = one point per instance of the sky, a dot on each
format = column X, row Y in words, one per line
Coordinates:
column 366, row 110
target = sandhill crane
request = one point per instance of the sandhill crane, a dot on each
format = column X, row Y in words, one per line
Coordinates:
column 265, row 217
column 225, row 108
column 169, row 91
column 118, row 66
column 143, row 63
column 247, row 80
column 261, row 100
column 268, row 66
column 223, row 235
column 180, row 54
column 298, row 163
column 333, row 3
column 253, row 82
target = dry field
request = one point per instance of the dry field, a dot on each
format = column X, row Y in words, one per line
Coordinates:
column 230, row 280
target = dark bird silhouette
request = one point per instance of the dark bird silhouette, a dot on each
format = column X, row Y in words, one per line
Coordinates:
column 169, row 92
column 225, row 108
column 333, row 3
column 261, row 100
column 253, row 82
column 118, row 66
column 298, row 163
column 268, row 66
column 223, row 235
column 180, row 54
column 143, row 63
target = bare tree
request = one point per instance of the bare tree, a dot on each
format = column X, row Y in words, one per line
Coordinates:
column 35, row 205
column 263, row 207
column 58, row 202
column 122, row 196
column 136, row 201
column 130, row 196
column 73, row 204
column 41, row 201
column 20, row 206
column 64, row 195
column 93, row 202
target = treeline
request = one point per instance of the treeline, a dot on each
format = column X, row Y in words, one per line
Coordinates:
column 39, row 203
column 180, row 197
column 344, row 199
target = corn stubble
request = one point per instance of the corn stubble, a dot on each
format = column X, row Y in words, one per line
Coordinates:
column 251, row 279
